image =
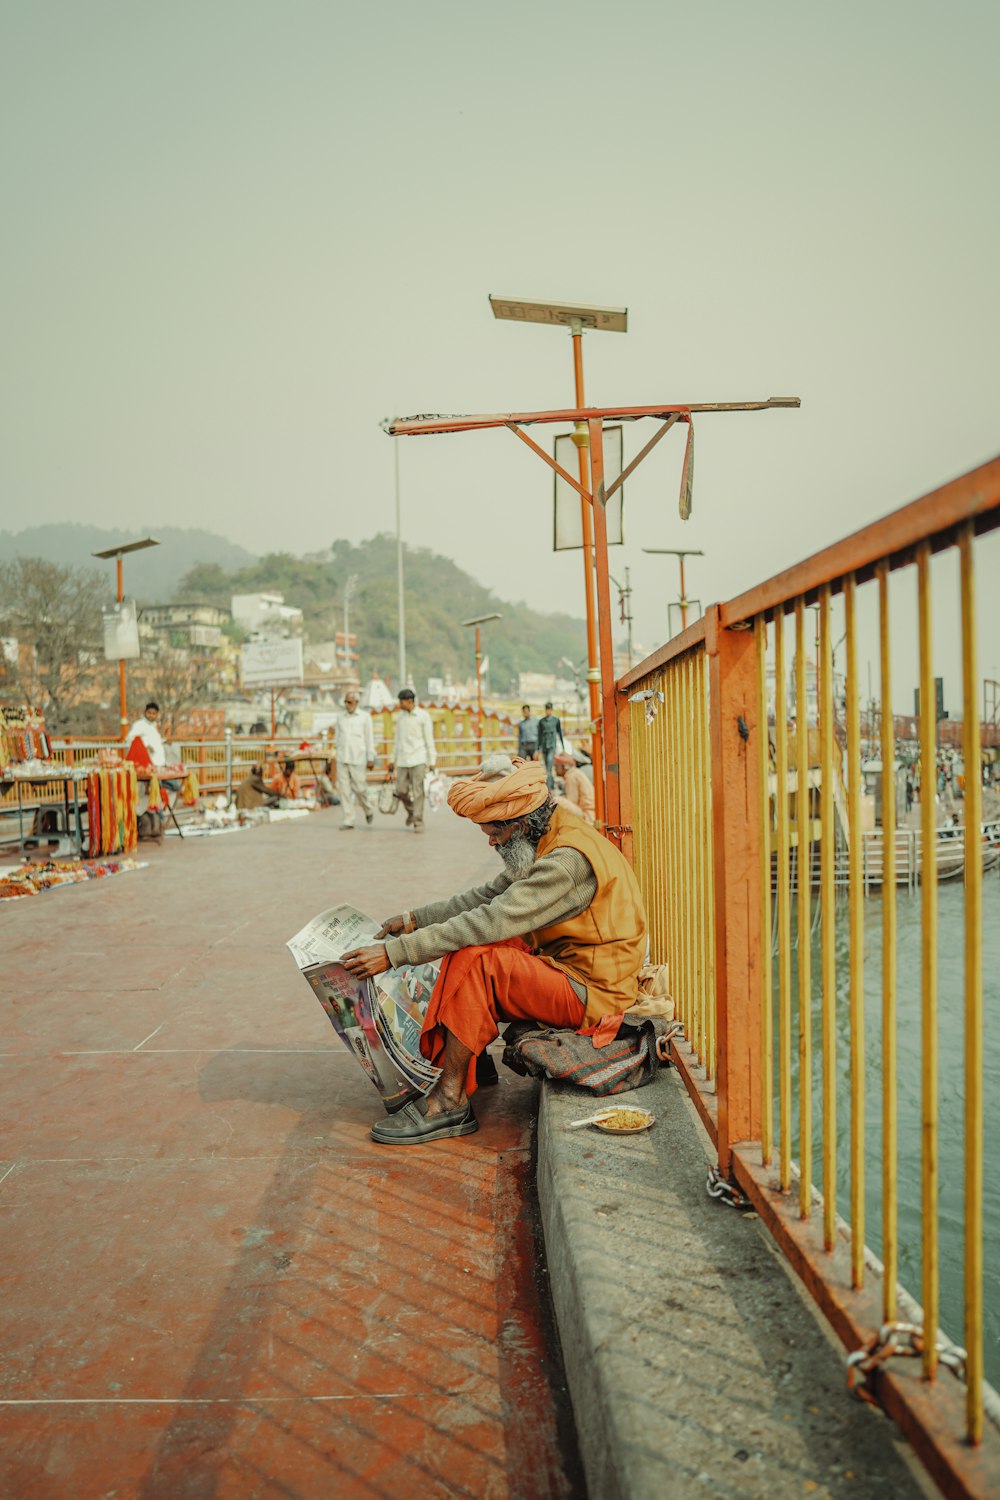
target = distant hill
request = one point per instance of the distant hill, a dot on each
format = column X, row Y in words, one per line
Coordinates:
column 438, row 596
column 192, row 565
column 151, row 576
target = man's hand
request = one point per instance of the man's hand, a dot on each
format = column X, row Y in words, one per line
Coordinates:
column 364, row 963
column 371, row 765
column 392, row 927
column 390, row 766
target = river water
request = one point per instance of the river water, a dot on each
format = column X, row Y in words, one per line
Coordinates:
column 951, row 1067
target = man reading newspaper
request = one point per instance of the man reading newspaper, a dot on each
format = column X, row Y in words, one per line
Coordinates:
column 557, row 937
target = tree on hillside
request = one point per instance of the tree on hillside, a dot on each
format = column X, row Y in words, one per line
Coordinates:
column 178, row 682
column 206, row 583
column 439, row 596
column 56, row 613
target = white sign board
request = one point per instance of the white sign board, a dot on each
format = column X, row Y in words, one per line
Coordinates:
column 568, row 517
column 271, row 663
column 121, row 631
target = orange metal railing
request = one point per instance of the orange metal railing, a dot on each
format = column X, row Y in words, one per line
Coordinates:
column 755, row 868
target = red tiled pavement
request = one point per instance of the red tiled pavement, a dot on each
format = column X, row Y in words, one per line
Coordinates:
column 214, row 1284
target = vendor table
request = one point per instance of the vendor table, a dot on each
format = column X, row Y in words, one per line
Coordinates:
column 69, row 776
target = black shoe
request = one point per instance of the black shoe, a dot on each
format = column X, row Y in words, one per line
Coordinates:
column 369, row 817
column 409, row 1127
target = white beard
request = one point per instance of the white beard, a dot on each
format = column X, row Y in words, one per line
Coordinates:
column 518, row 855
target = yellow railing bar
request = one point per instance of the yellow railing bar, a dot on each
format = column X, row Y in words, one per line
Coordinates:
column 690, row 857
column 698, row 842
column 857, row 941
column 928, row 963
column 828, row 922
column 973, row 997
column 659, row 887
column 764, row 815
column 683, row 868
column 685, row 843
column 705, row 841
column 666, row 723
column 803, row 910
column 890, row 1194
column 643, row 791
column 784, row 914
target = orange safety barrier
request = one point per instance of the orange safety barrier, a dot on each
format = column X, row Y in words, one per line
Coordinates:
column 750, row 778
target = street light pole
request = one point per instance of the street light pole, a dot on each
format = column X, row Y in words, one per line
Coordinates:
column 581, row 439
column 348, row 591
column 576, row 317
column 477, row 621
column 626, row 609
column 117, row 553
column 399, row 580
column 680, row 554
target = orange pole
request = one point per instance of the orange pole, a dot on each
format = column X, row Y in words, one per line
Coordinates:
column 612, row 806
column 593, row 670
column 122, row 705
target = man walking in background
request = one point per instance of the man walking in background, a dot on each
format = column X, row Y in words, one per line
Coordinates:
column 527, row 734
column 414, row 755
column 549, row 735
column 354, row 747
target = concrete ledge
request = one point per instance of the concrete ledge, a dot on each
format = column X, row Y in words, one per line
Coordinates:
column 696, row 1364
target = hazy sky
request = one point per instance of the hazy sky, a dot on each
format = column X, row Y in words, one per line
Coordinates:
column 237, row 235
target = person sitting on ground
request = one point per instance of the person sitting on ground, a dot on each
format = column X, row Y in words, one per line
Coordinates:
column 558, row 937
column 286, row 783
column 253, row 791
column 325, row 794
column 578, row 791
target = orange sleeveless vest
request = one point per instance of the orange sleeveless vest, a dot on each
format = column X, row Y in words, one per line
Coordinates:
column 605, row 946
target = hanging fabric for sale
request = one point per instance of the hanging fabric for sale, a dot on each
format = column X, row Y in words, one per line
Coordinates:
column 111, row 810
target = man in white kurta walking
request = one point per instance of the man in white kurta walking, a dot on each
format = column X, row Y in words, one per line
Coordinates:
column 354, row 747
column 414, row 755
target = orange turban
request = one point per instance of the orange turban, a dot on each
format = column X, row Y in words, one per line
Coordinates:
column 497, row 798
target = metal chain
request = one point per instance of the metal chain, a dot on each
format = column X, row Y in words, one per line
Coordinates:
column 896, row 1340
column 725, row 1192
column 663, row 1042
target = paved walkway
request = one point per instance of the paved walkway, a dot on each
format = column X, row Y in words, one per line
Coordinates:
column 215, row 1286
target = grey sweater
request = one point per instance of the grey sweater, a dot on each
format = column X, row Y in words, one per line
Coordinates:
column 560, row 885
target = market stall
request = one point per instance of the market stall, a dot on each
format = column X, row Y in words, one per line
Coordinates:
column 26, row 763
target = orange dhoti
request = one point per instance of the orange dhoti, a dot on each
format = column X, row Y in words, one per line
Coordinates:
column 479, row 987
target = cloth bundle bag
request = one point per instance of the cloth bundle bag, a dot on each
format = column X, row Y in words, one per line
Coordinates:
column 627, row 1062
column 388, row 802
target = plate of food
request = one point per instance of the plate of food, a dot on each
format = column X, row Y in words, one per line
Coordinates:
column 619, row 1119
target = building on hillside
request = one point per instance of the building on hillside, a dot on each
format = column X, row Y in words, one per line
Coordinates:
column 325, row 681
column 186, row 627
column 266, row 614
column 331, row 657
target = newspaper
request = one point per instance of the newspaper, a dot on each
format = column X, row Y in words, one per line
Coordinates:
column 379, row 1019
